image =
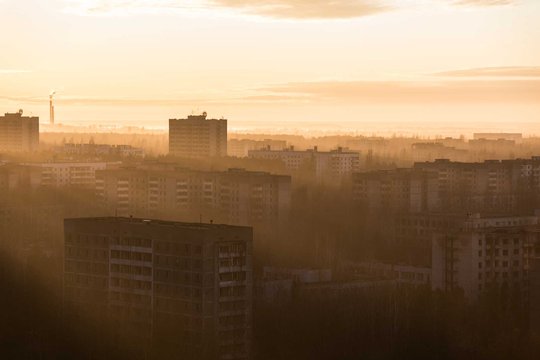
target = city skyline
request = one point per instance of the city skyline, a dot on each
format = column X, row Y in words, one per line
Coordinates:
column 369, row 66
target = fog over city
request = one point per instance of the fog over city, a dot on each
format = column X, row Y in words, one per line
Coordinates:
column 270, row 179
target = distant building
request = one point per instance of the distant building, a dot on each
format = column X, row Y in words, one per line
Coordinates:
column 236, row 197
column 327, row 166
column 65, row 174
column 241, row 147
column 277, row 285
column 495, row 186
column 282, row 285
column 396, row 190
column 19, row 133
column 404, row 275
column 174, row 290
column 102, row 150
column 198, row 136
column 486, row 254
column 437, row 150
column 516, row 137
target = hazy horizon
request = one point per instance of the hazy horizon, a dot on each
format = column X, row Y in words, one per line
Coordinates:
column 382, row 66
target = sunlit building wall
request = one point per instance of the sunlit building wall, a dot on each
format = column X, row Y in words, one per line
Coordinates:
column 19, row 133
column 197, row 137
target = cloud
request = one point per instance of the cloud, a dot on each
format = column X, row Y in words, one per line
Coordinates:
column 380, row 93
column 288, row 9
column 416, row 92
column 505, row 71
column 279, row 9
column 484, row 2
column 307, row 9
column 130, row 7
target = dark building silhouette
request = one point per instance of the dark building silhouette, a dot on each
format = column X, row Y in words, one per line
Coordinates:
column 19, row 133
column 197, row 136
column 165, row 289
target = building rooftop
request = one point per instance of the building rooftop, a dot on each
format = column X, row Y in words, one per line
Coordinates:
column 154, row 222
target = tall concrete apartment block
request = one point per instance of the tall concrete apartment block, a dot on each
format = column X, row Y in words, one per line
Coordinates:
column 236, row 197
column 480, row 254
column 496, row 186
column 197, row 136
column 19, row 133
column 169, row 289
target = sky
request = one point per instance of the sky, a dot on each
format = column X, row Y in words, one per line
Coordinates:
column 444, row 67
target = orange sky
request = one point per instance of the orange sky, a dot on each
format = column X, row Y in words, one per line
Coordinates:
column 367, row 65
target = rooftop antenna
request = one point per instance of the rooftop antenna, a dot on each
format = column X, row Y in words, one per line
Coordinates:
column 51, row 107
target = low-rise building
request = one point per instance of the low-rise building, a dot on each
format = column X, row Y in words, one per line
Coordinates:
column 241, row 147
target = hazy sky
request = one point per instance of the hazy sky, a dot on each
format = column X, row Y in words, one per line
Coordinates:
column 368, row 65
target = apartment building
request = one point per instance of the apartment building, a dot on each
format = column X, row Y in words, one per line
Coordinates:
column 19, row 133
column 327, row 166
column 65, row 174
column 395, row 190
column 516, row 137
column 236, row 196
column 168, row 289
column 241, row 147
column 102, row 150
column 496, row 186
column 197, row 137
column 402, row 274
column 486, row 253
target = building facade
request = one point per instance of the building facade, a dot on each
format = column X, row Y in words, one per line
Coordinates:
column 102, row 150
column 326, row 166
column 241, row 147
column 172, row 290
column 495, row 186
column 19, row 133
column 486, row 254
column 198, row 136
column 395, row 190
column 236, row 197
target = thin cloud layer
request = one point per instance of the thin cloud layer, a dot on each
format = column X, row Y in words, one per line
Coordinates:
column 485, row 2
column 289, row 9
column 307, row 9
column 280, row 9
column 417, row 92
column 505, row 71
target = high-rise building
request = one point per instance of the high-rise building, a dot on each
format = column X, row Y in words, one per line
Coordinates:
column 486, row 253
column 534, row 300
column 494, row 186
column 395, row 190
column 51, row 175
column 198, row 136
column 19, row 133
column 236, row 197
column 175, row 290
